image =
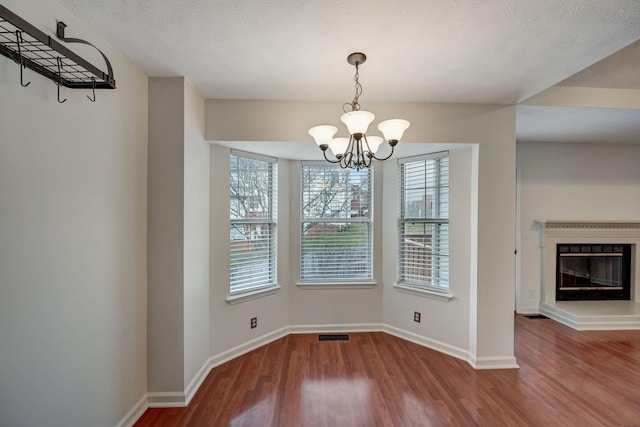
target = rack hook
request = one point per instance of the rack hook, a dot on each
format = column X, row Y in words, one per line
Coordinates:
column 59, row 82
column 93, row 88
column 22, row 64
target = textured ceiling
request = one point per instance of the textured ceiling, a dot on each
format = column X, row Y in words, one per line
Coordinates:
column 581, row 125
column 620, row 71
column 477, row 51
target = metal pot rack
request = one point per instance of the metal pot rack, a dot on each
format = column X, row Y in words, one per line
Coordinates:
column 31, row 48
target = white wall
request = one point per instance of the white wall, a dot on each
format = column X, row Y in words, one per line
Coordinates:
column 230, row 323
column 571, row 182
column 444, row 323
column 72, row 240
column 491, row 259
column 323, row 307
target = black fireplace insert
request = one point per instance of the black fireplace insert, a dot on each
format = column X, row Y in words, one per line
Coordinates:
column 593, row 272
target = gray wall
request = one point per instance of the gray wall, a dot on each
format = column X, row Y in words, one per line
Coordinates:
column 72, row 241
column 178, row 238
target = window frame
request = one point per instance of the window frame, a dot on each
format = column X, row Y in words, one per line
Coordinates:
column 442, row 287
column 368, row 219
column 271, row 284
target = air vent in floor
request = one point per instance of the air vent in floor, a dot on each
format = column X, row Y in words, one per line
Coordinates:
column 333, row 337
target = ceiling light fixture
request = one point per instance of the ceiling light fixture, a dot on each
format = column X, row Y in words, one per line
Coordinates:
column 359, row 150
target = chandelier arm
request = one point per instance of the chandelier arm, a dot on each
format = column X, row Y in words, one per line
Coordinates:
column 349, row 153
column 328, row 159
column 384, row 158
column 367, row 155
column 345, row 162
column 368, row 148
column 368, row 159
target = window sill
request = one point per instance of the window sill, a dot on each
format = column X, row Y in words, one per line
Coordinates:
column 426, row 293
column 334, row 285
column 252, row 294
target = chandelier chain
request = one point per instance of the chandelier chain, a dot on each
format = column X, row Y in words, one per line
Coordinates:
column 355, row 106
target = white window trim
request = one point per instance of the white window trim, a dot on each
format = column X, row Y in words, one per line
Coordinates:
column 254, row 156
column 430, row 156
column 335, row 283
column 431, row 293
column 240, row 297
column 266, row 289
column 424, row 291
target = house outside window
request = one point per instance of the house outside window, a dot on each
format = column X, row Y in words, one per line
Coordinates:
column 337, row 224
column 424, row 222
column 253, row 207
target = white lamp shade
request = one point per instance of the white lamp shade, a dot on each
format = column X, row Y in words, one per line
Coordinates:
column 357, row 121
column 323, row 134
column 393, row 129
column 338, row 146
column 374, row 143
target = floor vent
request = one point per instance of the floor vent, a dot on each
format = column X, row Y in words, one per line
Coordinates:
column 535, row 316
column 333, row 337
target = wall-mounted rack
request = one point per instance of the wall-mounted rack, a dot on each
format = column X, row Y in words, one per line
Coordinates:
column 33, row 49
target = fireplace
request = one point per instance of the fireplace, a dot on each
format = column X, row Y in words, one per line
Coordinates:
column 589, row 242
column 587, row 261
column 593, row 271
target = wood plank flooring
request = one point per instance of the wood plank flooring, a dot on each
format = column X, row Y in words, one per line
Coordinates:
column 566, row 378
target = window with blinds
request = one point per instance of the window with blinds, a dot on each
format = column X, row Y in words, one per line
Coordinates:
column 337, row 226
column 253, row 207
column 424, row 221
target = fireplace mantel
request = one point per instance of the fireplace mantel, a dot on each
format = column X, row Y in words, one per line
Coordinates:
column 554, row 232
column 594, row 230
column 563, row 224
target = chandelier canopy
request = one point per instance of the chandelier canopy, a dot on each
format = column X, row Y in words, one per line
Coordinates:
column 358, row 150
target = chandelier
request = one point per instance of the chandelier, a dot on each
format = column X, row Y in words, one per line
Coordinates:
column 359, row 150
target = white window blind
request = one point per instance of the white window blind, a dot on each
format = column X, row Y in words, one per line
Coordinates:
column 424, row 221
column 336, row 224
column 253, row 207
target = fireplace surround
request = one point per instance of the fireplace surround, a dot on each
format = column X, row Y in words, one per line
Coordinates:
column 592, row 237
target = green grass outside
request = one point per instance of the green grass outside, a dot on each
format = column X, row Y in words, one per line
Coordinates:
column 353, row 235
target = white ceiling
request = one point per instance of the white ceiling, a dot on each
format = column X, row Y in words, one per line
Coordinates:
column 477, row 51
column 579, row 125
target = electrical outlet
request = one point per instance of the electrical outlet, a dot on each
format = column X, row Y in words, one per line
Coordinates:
column 531, row 294
column 416, row 316
column 254, row 322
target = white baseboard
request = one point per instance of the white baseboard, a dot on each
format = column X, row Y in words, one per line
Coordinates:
column 196, row 381
column 439, row 346
column 494, row 362
column 177, row 399
column 234, row 352
column 498, row 362
column 529, row 310
column 592, row 322
column 134, row 413
column 352, row 327
column 166, row 399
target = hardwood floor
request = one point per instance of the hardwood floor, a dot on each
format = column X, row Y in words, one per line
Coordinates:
column 566, row 378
